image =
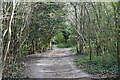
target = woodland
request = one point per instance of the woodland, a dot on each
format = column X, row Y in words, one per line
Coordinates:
column 89, row 29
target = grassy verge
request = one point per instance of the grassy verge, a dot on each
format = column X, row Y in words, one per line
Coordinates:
column 99, row 64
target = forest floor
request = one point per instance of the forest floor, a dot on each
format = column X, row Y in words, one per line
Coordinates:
column 55, row 63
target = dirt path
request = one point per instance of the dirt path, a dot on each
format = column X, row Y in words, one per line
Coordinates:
column 56, row 63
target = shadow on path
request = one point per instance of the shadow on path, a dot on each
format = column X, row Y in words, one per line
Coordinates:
column 56, row 63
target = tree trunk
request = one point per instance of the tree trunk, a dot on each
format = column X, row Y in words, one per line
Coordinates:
column 1, row 39
column 90, row 48
column 50, row 44
column 117, row 20
column 36, row 45
column 89, row 34
column 33, row 46
column 77, row 47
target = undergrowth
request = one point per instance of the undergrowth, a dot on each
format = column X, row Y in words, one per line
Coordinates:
column 105, row 64
column 63, row 45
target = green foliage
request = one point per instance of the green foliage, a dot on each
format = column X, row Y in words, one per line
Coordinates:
column 105, row 64
column 59, row 38
column 63, row 45
column 46, row 20
column 73, row 48
column 32, row 26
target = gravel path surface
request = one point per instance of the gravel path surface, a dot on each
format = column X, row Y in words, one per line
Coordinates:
column 56, row 63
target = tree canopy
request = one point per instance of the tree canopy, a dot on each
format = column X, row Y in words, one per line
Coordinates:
column 90, row 28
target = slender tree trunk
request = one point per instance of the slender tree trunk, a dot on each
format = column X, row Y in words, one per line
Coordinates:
column 50, row 44
column 36, row 45
column 117, row 20
column 118, row 51
column 81, row 19
column 1, row 39
column 89, row 33
column 78, row 46
column 90, row 48
column 40, row 48
column 33, row 46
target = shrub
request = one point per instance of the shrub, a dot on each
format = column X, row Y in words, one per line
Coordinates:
column 63, row 45
column 105, row 64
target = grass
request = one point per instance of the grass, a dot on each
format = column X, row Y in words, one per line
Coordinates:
column 98, row 65
column 73, row 49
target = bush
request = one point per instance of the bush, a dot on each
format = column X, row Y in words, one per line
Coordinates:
column 105, row 64
column 63, row 45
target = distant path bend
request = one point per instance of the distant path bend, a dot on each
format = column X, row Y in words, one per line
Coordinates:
column 56, row 63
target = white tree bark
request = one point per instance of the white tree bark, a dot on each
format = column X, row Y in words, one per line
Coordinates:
column 9, row 30
column 1, row 11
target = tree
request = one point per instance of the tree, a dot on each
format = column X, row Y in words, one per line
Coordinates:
column 15, row 29
column 97, row 30
column 28, row 27
column 117, row 24
column 1, row 39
